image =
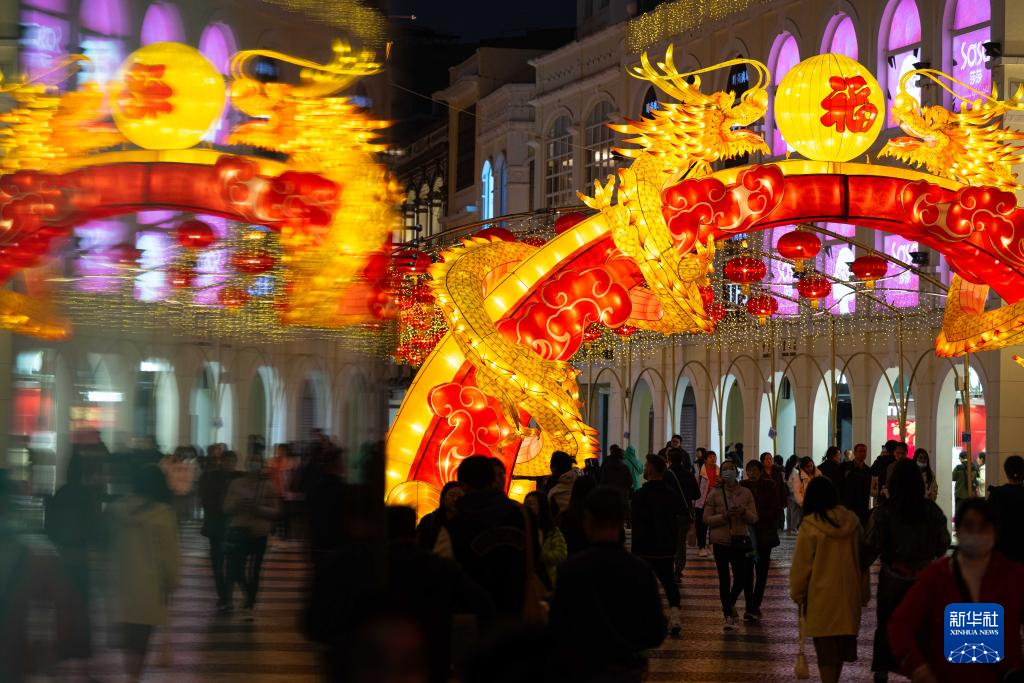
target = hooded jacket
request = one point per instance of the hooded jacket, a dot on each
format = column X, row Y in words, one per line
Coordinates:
column 559, row 494
column 825, row 574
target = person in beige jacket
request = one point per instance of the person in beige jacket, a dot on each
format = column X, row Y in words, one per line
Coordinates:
column 825, row 579
column 728, row 512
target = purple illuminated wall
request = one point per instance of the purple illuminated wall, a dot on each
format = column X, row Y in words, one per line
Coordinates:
column 217, row 43
column 780, row 275
column 904, row 32
column 162, row 23
column 900, row 249
column 844, row 38
column 211, row 265
column 837, row 260
column 106, row 17
column 787, row 55
column 44, row 42
column 968, row 47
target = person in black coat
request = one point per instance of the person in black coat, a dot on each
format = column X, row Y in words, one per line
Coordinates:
column 615, row 472
column 606, row 610
column 1007, row 503
column 830, row 466
column 571, row 524
column 212, row 488
column 430, row 526
column 655, row 517
column 680, row 479
column 855, row 484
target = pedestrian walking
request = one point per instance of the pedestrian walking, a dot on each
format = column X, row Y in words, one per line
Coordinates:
column 729, row 512
column 1007, row 503
column 213, row 490
column 765, row 535
column 656, row 508
column 707, row 478
column 679, row 477
column 253, row 507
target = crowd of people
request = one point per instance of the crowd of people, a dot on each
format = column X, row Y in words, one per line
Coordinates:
column 570, row 585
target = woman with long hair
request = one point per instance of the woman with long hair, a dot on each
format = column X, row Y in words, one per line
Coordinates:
column 707, row 477
column 908, row 531
column 825, row 579
column 553, row 549
column 801, row 476
column 430, row 526
column 924, row 465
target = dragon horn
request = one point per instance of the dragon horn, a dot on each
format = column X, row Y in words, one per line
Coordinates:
column 938, row 77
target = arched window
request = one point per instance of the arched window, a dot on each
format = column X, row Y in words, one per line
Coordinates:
column 558, row 185
column 487, row 191
column 599, row 141
column 45, row 37
column 902, row 48
column 650, row 102
column 970, row 31
column 501, row 185
column 104, row 25
column 841, row 37
column 785, row 55
column 217, row 43
column 162, row 23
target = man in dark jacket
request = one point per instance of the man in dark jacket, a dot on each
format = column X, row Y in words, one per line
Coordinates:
column 615, row 472
column 830, row 465
column 855, row 484
column 655, row 516
column 606, row 610
column 1007, row 503
column 212, row 488
column 880, row 471
column 766, row 535
column 489, row 538
column 679, row 478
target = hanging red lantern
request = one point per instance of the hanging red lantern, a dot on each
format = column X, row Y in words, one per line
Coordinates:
column 762, row 307
column 180, row 277
column 252, row 261
column 412, row 261
column 814, row 287
column 745, row 271
column 123, row 253
column 707, row 295
column 716, row 311
column 567, row 221
column 592, row 333
column 232, row 297
column 497, row 233
column 195, row 234
column 869, row 268
column 799, row 246
column 626, row 331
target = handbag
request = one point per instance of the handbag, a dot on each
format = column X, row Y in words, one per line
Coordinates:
column 800, row 669
column 535, row 609
column 740, row 543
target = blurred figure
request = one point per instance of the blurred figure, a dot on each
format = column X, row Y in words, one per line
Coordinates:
column 636, row 468
column 253, row 507
column 766, row 534
column 825, row 579
column 433, row 522
column 75, row 526
column 965, row 480
column 145, row 563
column 855, row 489
column 679, row 478
column 563, row 476
column 924, row 466
column 830, row 465
column 792, row 508
column 179, row 469
column 571, row 523
column 655, row 513
column 284, row 470
column 616, row 473
column 729, row 512
column 880, row 469
column 1007, row 503
column 213, row 488
column 975, row 573
column 982, row 482
column 606, row 610
column 908, row 531
column 552, row 544
column 707, row 478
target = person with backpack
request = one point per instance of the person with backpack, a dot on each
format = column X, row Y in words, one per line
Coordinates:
column 680, row 479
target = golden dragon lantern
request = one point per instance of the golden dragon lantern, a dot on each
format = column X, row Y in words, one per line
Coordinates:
column 501, row 382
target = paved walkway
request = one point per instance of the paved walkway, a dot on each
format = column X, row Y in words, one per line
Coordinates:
column 207, row 648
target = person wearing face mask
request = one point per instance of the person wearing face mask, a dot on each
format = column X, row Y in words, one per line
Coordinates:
column 706, row 478
column 924, row 465
column 976, row 572
column 253, row 507
column 728, row 513
column 908, row 531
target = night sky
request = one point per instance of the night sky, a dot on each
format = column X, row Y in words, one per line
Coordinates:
column 473, row 20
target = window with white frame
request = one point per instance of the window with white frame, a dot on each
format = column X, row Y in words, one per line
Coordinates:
column 599, row 141
column 786, row 55
column 971, row 29
column 903, row 50
column 487, row 191
column 558, row 183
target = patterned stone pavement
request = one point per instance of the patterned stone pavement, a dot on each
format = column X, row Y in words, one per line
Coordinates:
column 207, row 648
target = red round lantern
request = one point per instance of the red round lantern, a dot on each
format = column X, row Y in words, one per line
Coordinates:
column 180, row 277
column 252, row 261
column 869, row 268
column 762, row 307
column 799, row 246
column 412, row 261
column 567, row 221
column 745, row 271
column 497, row 233
column 195, row 234
column 232, row 297
column 626, row 331
column 707, row 295
column 716, row 311
column 814, row 287
column 123, row 254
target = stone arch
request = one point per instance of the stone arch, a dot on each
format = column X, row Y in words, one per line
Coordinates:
column 949, row 421
column 641, row 418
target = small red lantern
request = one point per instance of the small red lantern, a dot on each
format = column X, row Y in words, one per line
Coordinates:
column 716, row 311
column 814, row 287
column 567, row 221
column 626, row 331
column 592, row 333
column 232, row 297
column 252, row 262
column 180, row 277
column 497, row 233
column 123, row 254
column 195, row 234
column 762, row 306
column 745, row 271
column 707, row 295
column 799, row 246
column 869, row 268
column 412, row 261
